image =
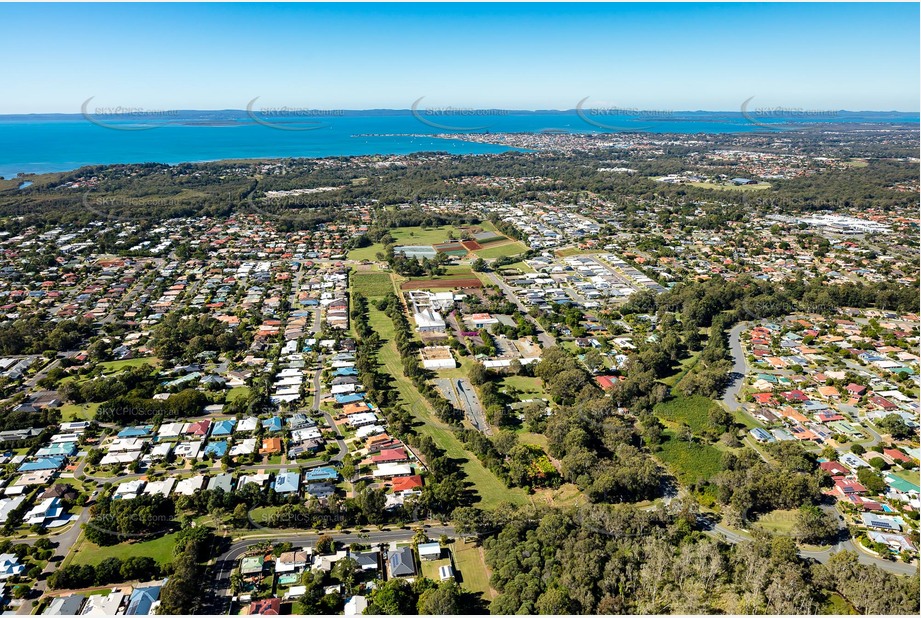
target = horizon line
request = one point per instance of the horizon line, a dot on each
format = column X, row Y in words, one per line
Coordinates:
column 465, row 110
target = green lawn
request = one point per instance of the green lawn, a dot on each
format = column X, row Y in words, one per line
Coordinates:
column 691, row 462
column 491, row 490
column 685, row 366
column 513, row 248
column 366, row 253
column 538, row 439
column 237, row 392
column 692, row 410
column 570, row 251
column 425, row 236
column 115, row 366
column 471, row 568
column 524, row 268
column 371, row 284
column 79, row 412
column 430, row 567
column 778, row 522
column 160, row 549
column 529, row 387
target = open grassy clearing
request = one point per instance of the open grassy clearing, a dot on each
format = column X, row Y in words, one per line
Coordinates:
column 237, row 392
column 79, row 412
column 116, row 366
column 491, row 490
column 503, row 250
column 521, row 266
column 684, row 367
column 526, row 385
column 365, row 253
column 538, row 439
column 471, row 567
column 569, row 251
column 372, row 285
column 160, row 549
column 779, row 522
column 694, row 410
column 692, row 462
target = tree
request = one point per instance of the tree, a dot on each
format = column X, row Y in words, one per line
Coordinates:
column 345, row 571
column 325, row 544
column 478, row 374
column 872, row 480
column 593, row 360
column 395, row 598
column 441, row 601
column 814, row 525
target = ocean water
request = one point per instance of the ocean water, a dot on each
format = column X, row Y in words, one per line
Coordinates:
column 51, row 143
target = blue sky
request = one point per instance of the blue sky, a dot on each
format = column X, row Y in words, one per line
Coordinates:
column 512, row 56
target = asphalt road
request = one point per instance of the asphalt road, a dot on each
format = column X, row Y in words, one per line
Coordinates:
column 546, row 340
column 739, row 368
column 471, row 404
column 824, row 555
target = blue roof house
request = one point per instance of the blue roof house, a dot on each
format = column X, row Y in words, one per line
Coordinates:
column 321, row 474
column 223, row 428
column 287, row 482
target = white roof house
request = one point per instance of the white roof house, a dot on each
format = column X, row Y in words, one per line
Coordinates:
column 189, row 486
column 162, row 488
column 171, row 430
column 387, row 470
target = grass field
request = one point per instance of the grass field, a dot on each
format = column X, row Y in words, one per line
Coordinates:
column 79, row 412
column 685, row 366
column 709, row 185
column 430, row 567
column 691, row 410
column 115, row 366
column 160, row 549
column 472, row 569
column 521, row 266
column 691, row 462
column 778, row 522
column 237, row 392
column 372, row 285
column 527, row 386
column 366, row 253
column 504, row 250
column 837, row 605
column 569, row 251
column 491, row 490
column 538, row 439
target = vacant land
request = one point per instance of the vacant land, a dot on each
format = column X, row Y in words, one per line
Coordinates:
column 527, row 387
column 79, row 411
column 366, row 253
column 692, row 462
column 471, row 567
column 115, row 366
column 160, row 549
column 695, row 411
column 503, row 250
column 778, row 522
column 371, row 284
column 442, row 282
